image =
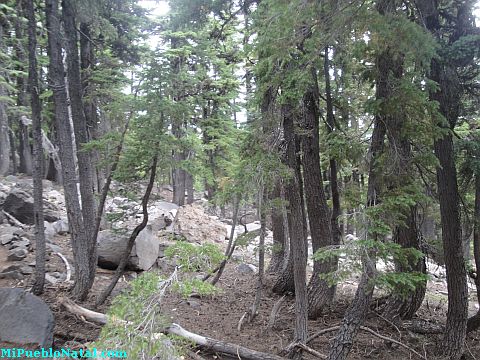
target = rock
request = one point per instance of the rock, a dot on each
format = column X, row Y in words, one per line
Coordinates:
column 52, row 280
column 54, row 248
column 14, row 275
column 61, row 226
column 26, row 270
column 49, row 232
column 147, row 247
column 11, row 178
column 22, row 243
column 246, row 269
column 161, row 214
column 111, row 247
column 7, row 234
column 57, row 275
column 23, row 269
column 196, row 226
column 194, row 303
column 19, row 204
column 17, row 254
column 25, row 318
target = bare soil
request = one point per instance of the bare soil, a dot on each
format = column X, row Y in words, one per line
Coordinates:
column 218, row 316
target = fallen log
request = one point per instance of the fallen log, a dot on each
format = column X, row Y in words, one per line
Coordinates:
column 175, row 329
column 221, row 346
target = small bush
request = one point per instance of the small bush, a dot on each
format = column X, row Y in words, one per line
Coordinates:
column 195, row 258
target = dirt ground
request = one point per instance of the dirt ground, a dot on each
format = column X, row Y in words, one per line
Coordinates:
column 218, row 316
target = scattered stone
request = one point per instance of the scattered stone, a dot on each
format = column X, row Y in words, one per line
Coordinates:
column 54, row 248
column 194, row 303
column 17, row 254
column 14, row 275
column 25, row 318
column 246, row 269
column 23, row 243
column 57, row 275
column 52, row 280
column 61, row 227
column 49, row 232
column 7, row 234
column 23, row 269
column 196, row 226
column 26, row 270
column 19, row 204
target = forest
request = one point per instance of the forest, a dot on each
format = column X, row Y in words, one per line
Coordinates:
column 241, row 179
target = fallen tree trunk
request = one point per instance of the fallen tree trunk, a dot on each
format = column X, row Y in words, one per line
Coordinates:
column 175, row 329
column 221, row 346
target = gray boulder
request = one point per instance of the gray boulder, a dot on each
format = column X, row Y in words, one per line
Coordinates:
column 146, row 248
column 25, row 319
column 17, row 254
column 7, row 234
column 112, row 245
column 19, row 204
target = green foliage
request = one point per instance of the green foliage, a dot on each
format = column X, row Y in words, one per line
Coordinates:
column 191, row 257
column 389, row 253
column 188, row 287
column 134, row 316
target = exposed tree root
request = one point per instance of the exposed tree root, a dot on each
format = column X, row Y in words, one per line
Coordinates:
column 67, row 266
column 273, row 315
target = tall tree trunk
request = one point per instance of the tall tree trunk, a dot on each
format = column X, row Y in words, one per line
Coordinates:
column 4, row 129
column 24, row 150
column 296, row 226
column 38, row 150
column 474, row 321
column 67, row 155
column 189, row 186
column 457, row 314
column 448, row 95
column 320, row 293
column 406, row 234
column 85, row 169
column 336, row 210
column 87, row 63
column 357, row 312
column 278, row 248
column 177, row 131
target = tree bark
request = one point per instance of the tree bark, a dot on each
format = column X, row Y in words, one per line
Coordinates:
column 4, row 128
column 23, row 149
column 38, row 150
column 85, row 168
column 296, row 226
column 357, row 312
column 87, row 63
column 320, row 293
column 189, row 186
column 444, row 71
column 67, row 155
column 474, row 321
column 279, row 239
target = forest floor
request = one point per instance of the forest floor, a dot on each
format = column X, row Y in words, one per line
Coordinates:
column 218, row 316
